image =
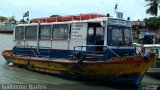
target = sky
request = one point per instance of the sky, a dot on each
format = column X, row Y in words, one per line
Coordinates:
column 135, row 9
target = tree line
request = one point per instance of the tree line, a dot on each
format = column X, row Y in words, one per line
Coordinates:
column 8, row 19
column 153, row 23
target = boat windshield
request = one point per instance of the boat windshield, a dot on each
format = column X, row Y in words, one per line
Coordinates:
column 119, row 36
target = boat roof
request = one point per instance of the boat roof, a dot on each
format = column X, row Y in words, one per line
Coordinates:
column 96, row 20
column 65, row 18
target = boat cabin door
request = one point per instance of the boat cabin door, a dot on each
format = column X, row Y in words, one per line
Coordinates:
column 95, row 37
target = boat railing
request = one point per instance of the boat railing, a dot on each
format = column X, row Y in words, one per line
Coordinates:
column 32, row 51
column 139, row 51
column 80, row 53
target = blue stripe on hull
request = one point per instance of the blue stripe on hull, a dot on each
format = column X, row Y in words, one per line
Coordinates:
column 134, row 81
column 8, row 60
column 127, row 80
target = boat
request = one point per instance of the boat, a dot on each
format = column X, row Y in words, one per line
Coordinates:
column 151, row 42
column 98, row 48
column 6, row 28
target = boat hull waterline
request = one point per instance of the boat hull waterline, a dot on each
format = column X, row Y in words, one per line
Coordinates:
column 127, row 70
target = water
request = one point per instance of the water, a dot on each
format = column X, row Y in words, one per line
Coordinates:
column 15, row 75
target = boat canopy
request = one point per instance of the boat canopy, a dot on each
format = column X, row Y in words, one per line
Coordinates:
column 149, row 34
column 78, row 17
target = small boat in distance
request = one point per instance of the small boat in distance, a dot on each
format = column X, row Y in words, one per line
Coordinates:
column 151, row 42
column 6, row 28
column 93, row 48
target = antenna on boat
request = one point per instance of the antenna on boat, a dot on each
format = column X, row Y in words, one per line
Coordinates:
column 115, row 8
column 116, row 13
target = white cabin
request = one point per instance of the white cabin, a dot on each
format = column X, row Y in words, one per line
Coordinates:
column 110, row 36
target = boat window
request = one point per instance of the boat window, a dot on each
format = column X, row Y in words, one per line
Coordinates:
column 19, row 32
column 100, row 33
column 119, row 36
column 127, row 36
column 60, row 32
column 31, row 32
column 45, row 32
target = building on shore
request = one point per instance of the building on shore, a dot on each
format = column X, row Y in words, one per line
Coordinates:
column 138, row 27
column 139, row 24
